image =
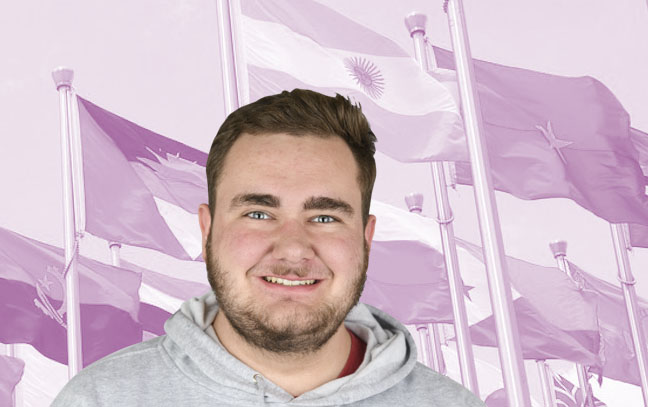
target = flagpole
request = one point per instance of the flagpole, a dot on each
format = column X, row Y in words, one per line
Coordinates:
column 415, row 24
column 432, row 354
column 429, row 334
column 63, row 80
column 510, row 351
column 10, row 349
column 632, row 309
column 559, row 250
column 228, row 65
column 548, row 391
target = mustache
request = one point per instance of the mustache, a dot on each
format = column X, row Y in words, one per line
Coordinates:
column 299, row 272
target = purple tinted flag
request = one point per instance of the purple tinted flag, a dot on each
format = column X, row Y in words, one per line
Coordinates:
column 406, row 276
column 639, row 233
column 32, row 309
column 550, row 136
column 161, row 296
column 11, row 371
column 290, row 44
column 618, row 359
column 556, row 320
column 406, row 280
column 130, row 173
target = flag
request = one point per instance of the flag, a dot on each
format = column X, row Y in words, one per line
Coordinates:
column 291, row 44
column 639, row 233
column 11, row 371
column 555, row 319
column 161, row 295
column 135, row 179
column 568, row 395
column 618, row 359
column 406, row 276
column 551, row 136
column 33, row 302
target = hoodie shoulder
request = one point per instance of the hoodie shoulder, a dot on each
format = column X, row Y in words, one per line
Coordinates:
column 116, row 376
column 423, row 387
column 435, row 389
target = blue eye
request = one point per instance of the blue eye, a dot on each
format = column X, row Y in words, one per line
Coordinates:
column 257, row 215
column 325, row 219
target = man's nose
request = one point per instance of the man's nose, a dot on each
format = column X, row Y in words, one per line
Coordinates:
column 292, row 243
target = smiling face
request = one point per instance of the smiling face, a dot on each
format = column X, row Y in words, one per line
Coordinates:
column 286, row 250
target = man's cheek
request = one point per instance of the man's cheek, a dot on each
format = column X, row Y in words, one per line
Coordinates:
column 340, row 251
column 245, row 247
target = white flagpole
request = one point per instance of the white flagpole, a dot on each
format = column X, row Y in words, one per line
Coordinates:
column 559, row 250
column 228, row 58
column 429, row 335
column 415, row 24
column 632, row 309
column 431, row 347
column 10, row 350
column 508, row 339
column 63, row 80
column 546, row 381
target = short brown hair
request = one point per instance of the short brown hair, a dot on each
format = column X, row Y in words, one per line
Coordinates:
column 298, row 113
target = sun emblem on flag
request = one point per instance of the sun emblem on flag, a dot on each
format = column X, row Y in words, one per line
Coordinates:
column 367, row 75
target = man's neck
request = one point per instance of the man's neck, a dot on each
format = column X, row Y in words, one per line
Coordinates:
column 295, row 373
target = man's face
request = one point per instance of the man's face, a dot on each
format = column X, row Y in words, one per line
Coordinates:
column 287, row 207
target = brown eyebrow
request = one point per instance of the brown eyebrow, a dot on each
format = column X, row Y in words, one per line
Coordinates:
column 255, row 199
column 329, row 204
column 312, row 203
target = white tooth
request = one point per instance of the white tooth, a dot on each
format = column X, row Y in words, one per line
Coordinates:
column 289, row 283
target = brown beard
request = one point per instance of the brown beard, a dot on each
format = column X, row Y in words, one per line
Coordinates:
column 255, row 326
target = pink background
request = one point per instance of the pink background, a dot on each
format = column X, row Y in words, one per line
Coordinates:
column 157, row 63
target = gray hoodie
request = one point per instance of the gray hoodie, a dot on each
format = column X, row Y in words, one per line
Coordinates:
column 189, row 367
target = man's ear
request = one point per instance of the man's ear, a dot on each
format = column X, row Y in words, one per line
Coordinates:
column 369, row 230
column 204, row 218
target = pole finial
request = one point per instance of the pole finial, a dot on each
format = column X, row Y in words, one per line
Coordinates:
column 415, row 22
column 558, row 248
column 62, row 77
column 414, row 202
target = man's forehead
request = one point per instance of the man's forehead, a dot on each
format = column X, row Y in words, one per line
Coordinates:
column 268, row 170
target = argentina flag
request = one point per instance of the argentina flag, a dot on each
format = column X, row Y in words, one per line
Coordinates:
column 303, row 44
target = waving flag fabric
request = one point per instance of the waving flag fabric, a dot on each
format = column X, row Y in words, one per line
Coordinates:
column 639, row 233
column 618, row 359
column 550, row 136
column 11, row 371
column 555, row 319
column 406, row 276
column 161, row 295
column 291, row 44
column 133, row 177
column 32, row 300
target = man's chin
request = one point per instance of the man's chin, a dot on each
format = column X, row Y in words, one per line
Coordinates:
column 285, row 330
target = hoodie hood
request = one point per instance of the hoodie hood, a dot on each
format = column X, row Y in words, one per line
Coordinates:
column 194, row 347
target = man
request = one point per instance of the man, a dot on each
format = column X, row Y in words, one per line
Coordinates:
column 286, row 240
